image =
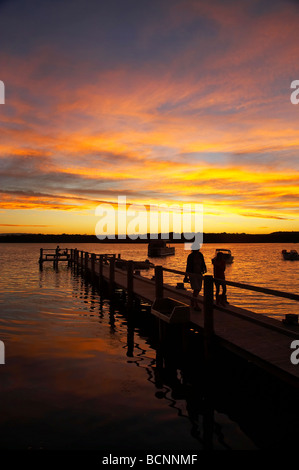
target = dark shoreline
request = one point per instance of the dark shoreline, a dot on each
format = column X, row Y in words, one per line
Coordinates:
column 275, row 237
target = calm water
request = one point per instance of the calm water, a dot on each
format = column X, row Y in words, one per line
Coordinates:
column 69, row 381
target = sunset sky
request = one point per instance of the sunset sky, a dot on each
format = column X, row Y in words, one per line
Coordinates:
column 161, row 101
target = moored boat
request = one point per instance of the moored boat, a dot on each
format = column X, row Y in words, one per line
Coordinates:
column 122, row 264
column 291, row 255
column 226, row 253
column 158, row 248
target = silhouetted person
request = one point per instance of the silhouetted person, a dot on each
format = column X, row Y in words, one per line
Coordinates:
column 195, row 269
column 219, row 274
column 57, row 251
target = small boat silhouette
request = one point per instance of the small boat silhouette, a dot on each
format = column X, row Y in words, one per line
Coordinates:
column 157, row 248
column 290, row 255
column 227, row 254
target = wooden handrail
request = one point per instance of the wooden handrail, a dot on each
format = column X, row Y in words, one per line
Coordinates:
column 240, row 285
column 54, row 249
column 263, row 290
column 175, row 271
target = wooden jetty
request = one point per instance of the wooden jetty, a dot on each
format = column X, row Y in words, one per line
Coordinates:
column 54, row 255
column 264, row 341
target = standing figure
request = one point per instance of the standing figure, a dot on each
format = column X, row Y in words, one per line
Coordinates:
column 219, row 275
column 195, row 269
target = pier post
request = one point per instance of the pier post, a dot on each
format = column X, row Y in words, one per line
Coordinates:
column 56, row 258
column 130, row 270
column 41, row 255
column 71, row 258
column 81, row 258
column 78, row 258
column 208, row 407
column 130, row 340
column 159, row 281
column 86, row 261
column 208, row 316
column 93, row 257
column 111, row 275
column 101, row 272
column 159, row 295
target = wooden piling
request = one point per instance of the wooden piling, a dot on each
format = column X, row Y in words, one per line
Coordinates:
column 55, row 258
column 130, row 286
column 130, row 341
column 101, row 272
column 93, row 258
column 208, row 409
column 86, row 261
column 159, row 295
column 71, row 259
column 208, row 316
column 111, row 275
column 159, row 281
column 41, row 259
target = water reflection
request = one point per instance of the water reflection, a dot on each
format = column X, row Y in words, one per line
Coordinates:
column 130, row 340
column 174, row 384
column 112, row 317
column 162, row 372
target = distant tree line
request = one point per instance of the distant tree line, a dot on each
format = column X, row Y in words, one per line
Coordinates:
column 275, row 237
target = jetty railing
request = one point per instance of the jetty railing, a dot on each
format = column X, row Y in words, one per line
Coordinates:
column 263, row 290
column 82, row 258
column 208, row 287
column 55, row 255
